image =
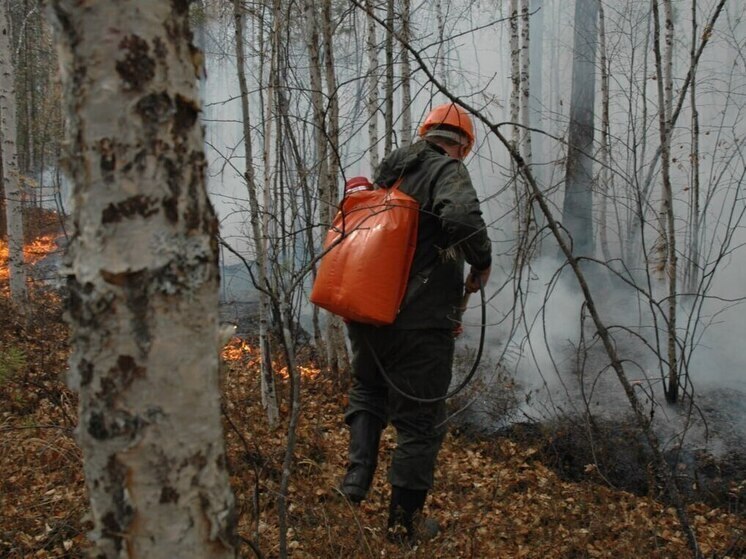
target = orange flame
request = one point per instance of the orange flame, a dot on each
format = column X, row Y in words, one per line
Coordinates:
column 238, row 349
column 32, row 252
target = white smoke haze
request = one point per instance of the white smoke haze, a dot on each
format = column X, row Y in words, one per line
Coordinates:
column 537, row 339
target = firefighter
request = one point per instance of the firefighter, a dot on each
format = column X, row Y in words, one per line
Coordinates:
column 416, row 351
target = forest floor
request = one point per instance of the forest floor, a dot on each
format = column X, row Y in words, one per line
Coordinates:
column 493, row 497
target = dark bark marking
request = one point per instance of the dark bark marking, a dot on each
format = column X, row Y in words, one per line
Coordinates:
column 187, row 111
column 198, row 460
column 155, row 108
column 171, row 209
column 193, row 215
column 85, row 305
column 97, row 427
column 137, row 68
column 159, row 48
column 85, row 368
column 181, row 7
column 108, row 161
column 117, row 521
column 144, row 206
column 129, row 369
column 169, row 495
column 135, row 289
column 118, row 424
column 221, row 462
column 173, row 180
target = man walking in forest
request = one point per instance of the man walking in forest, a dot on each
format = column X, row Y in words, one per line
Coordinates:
column 416, row 351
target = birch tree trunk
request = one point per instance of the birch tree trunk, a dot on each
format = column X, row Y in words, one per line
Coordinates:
column 440, row 67
column 338, row 358
column 694, row 213
column 143, row 283
column 319, row 125
column 406, row 87
column 371, row 47
column 525, row 85
column 668, row 234
column 10, row 172
column 604, row 176
column 515, row 114
column 388, row 96
column 577, row 210
column 268, row 389
column 528, row 224
column 633, row 253
column 328, row 166
column 536, row 79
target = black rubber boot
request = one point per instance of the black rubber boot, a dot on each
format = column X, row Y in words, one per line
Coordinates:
column 406, row 523
column 365, row 436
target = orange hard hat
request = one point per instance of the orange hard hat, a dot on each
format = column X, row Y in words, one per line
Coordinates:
column 451, row 115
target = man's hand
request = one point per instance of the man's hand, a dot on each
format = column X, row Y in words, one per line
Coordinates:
column 477, row 279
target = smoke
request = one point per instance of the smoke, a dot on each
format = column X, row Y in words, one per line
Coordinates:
column 536, row 331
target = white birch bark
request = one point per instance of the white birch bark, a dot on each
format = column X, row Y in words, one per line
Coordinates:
column 604, row 176
column 268, row 389
column 668, row 233
column 338, row 358
column 515, row 73
column 525, row 85
column 527, row 226
column 10, row 171
column 668, row 60
column 536, row 79
column 371, row 46
column 515, row 111
column 327, row 200
column 388, row 96
column 694, row 204
column 406, row 72
column 439, row 64
column 143, row 281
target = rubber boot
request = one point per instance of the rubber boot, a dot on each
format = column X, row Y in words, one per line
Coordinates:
column 365, row 436
column 406, row 523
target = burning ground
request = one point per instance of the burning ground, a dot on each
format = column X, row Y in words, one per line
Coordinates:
column 494, row 497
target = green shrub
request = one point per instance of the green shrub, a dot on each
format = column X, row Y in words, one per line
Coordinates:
column 12, row 360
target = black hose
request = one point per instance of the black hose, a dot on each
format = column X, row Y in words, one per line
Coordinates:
column 461, row 386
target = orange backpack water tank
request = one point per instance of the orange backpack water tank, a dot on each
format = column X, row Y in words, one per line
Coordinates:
column 363, row 276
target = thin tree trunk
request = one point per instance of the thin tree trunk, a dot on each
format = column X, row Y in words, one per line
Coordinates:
column 372, row 85
column 525, row 85
column 10, row 171
column 632, row 256
column 536, row 79
column 515, row 113
column 338, row 358
column 669, row 234
column 652, row 166
column 439, row 64
column 528, row 225
column 406, row 92
column 313, row 42
column 143, row 283
column 388, row 142
column 604, row 179
column 694, row 217
column 268, row 389
column 295, row 393
column 268, row 77
column 3, row 203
